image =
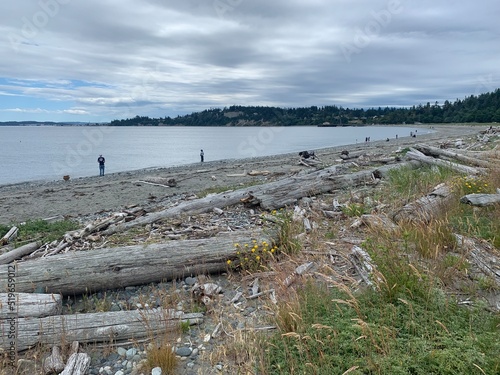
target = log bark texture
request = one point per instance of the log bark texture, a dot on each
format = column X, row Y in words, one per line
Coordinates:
column 270, row 196
column 110, row 268
column 24, row 305
column 481, row 254
column 78, row 364
column 102, row 327
column 18, row 253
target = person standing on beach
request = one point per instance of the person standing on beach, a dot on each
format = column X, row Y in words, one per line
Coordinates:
column 202, row 156
column 101, row 162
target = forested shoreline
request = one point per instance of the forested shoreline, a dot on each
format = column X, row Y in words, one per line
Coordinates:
column 484, row 108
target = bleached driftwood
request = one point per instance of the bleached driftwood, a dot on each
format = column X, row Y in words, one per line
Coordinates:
column 363, row 264
column 26, row 305
column 482, row 254
column 237, row 174
column 18, row 253
column 258, row 173
column 109, row 268
column 417, row 155
column 438, row 152
column 78, row 364
column 481, row 200
column 9, row 236
column 270, row 196
column 425, row 208
column 103, row 327
column 54, row 363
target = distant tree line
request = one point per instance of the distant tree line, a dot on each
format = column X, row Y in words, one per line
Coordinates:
column 483, row 108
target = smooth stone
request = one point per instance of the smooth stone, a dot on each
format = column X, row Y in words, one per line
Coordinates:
column 122, row 352
column 131, row 352
column 156, row 371
column 184, row 351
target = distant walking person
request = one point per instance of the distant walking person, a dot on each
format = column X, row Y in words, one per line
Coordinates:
column 101, row 162
column 202, row 156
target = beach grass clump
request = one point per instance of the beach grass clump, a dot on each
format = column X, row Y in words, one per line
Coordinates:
column 407, row 182
column 354, row 210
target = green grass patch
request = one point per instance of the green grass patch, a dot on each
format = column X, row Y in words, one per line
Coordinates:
column 34, row 230
column 335, row 331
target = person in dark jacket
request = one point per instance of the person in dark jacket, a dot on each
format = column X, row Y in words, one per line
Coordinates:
column 101, row 162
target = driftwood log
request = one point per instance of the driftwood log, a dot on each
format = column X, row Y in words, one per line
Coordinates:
column 481, row 200
column 111, row 268
column 425, row 208
column 438, row 152
column 269, row 196
column 483, row 255
column 104, row 327
column 18, row 253
column 417, row 155
column 24, row 305
column 11, row 234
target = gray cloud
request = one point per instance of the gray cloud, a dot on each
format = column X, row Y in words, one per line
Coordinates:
column 96, row 61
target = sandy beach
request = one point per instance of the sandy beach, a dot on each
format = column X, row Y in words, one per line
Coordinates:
column 83, row 197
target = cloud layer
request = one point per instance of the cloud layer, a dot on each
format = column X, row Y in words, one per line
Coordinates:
column 68, row 60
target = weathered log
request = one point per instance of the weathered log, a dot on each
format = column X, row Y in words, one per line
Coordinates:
column 9, row 236
column 482, row 254
column 425, row 208
column 78, row 364
column 25, row 305
column 417, row 155
column 114, row 326
column 438, row 152
column 18, row 253
column 481, row 200
column 286, row 192
column 109, row 268
column 270, row 196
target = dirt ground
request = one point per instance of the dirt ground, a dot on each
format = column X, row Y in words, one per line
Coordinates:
column 90, row 195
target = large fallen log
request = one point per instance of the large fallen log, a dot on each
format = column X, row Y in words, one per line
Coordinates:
column 25, row 305
column 438, row 152
column 19, row 252
column 101, row 327
column 111, row 268
column 417, row 155
column 270, row 196
column 425, row 208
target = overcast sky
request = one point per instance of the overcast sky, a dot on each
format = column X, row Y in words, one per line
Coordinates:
column 74, row 60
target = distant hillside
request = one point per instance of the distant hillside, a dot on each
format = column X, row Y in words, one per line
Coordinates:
column 483, row 108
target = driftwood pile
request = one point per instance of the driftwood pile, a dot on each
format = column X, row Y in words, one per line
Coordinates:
column 76, row 265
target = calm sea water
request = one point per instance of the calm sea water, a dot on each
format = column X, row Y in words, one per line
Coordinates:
column 49, row 152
